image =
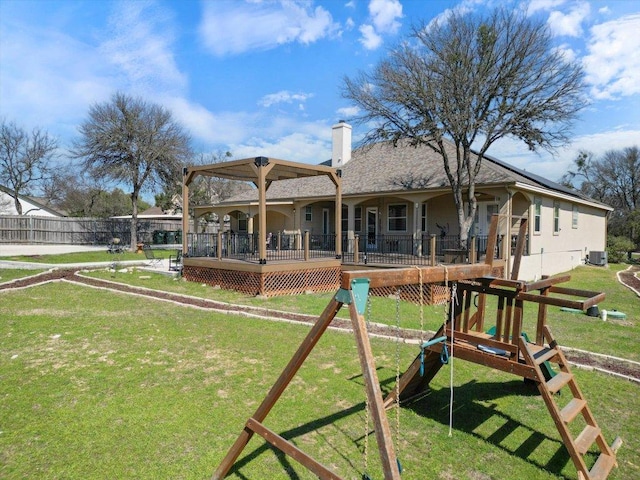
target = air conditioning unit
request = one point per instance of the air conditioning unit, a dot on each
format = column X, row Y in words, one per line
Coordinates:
column 597, row 258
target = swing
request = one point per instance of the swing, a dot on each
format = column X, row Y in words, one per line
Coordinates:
column 444, row 354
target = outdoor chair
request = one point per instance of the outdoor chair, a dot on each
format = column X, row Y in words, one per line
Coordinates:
column 115, row 246
column 175, row 262
column 150, row 255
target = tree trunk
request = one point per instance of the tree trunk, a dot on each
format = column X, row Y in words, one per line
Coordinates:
column 17, row 203
column 134, row 220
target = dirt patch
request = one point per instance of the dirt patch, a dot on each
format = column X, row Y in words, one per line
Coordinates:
column 629, row 277
column 584, row 358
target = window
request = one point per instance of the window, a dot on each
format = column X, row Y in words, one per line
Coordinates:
column 345, row 218
column 358, row 219
column 242, row 222
column 423, row 218
column 537, row 213
column 574, row 217
column 556, row 218
column 397, row 218
column 307, row 213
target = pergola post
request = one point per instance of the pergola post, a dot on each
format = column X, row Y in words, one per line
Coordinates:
column 185, row 210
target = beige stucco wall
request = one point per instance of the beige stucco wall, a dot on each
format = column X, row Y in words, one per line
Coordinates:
column 551, row 253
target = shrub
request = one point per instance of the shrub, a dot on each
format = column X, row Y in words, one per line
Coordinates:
column 618, row 248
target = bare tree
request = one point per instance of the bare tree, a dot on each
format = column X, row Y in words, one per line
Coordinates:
column 613, row 179
column 24, row 159
column 470, row 80
column 131, row 142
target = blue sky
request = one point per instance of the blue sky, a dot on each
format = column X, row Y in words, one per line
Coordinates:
column 264, row 77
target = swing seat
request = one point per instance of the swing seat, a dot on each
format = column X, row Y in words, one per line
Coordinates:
column 493, row 350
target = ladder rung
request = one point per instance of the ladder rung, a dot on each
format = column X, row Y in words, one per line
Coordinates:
column 544, row 355
column 572, row 409
column 559, row 381
column 586, row 438
column 602, row 467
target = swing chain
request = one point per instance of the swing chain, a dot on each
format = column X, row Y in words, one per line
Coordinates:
column 398, row 373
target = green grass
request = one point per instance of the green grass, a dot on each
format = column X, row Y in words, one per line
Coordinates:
column 8, row 274
column 614, row 337
column 86, row 257
column 96, row 385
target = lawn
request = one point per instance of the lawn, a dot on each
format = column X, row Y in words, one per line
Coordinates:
column 615, row 337
column 88, row 256
column 102, row 385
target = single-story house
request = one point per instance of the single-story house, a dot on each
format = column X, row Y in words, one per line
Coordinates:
column 30, row 206
column 397, row 199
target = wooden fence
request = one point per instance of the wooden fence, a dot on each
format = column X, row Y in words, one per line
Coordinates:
column 27, row 229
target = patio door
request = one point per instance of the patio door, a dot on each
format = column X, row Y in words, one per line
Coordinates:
column 484, row 212
column 372, row 226
column 326, row 222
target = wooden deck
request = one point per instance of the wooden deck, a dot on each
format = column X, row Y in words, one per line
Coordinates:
column 276, row 277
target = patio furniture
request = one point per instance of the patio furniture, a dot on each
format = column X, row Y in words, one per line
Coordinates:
column 150, row 255
column 115, row 246
column 175, row 262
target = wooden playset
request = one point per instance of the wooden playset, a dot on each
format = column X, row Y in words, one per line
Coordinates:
column 504, row 347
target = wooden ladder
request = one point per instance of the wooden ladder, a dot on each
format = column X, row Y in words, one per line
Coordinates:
column 575, row 408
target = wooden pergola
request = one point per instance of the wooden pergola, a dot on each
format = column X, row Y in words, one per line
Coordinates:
column 282, row 275
column 261, row 171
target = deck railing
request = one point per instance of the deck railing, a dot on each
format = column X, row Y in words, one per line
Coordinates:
column 243, row 246
column 380, row 249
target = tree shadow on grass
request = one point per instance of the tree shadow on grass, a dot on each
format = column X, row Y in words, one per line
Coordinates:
column 473, row 407
column 291, row 435
column 470, row 412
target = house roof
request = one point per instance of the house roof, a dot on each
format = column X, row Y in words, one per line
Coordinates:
column 32, row 203
column 384, row 168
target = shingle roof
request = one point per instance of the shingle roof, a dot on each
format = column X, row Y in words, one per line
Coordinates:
column 383, row 168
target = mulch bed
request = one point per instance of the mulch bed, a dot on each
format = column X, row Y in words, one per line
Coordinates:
column 582, row 358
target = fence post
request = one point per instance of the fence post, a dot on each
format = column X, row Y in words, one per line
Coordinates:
column 279, row 242
column 433, row 250
column 306, row 246
column 356, row 249
column 472, row 256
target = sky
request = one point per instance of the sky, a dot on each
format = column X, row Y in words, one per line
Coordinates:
column 264, row 77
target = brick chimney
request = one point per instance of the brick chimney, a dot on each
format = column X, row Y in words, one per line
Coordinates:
column 341, row 137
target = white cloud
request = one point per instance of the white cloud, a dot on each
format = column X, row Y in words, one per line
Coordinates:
column 233, row 27
column 348, row 112
column 569, row 24
column 537, row 5
column 554, row 166
column 209, row 128
column 49, row 79
column 140, row 46
column 283, row 96
column 370, row 39
column 298, row 147
column 613, row 64
column 384, row 14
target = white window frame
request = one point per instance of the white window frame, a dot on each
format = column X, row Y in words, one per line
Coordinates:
column 243, row 219
column 357, row 219
column 574, row 216
column 394, row 218
column 556, row 218
column 308, row 213
column 537, row 215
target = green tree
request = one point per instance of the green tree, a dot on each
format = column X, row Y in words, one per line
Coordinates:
column 128, row 141
column 613, row 179
column 470, row 79
column 24, row 159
